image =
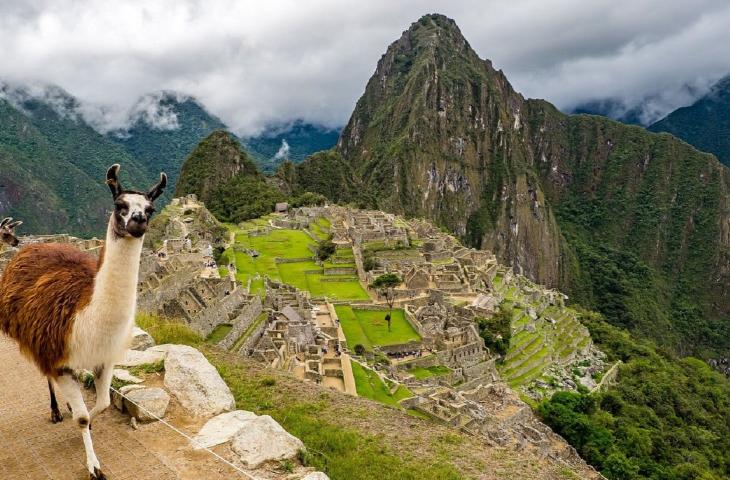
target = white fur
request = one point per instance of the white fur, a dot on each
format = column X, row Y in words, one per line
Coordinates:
column 101, row 330
column 136, row 203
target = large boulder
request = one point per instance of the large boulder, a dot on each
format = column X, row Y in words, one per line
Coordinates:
column 195, row 382
column 147, row 404
column 264, row 440
column 222, row 428
column 141, row 340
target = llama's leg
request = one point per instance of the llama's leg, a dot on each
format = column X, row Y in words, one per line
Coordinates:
column 102, row 382
column 71, row 390
column 56, row 416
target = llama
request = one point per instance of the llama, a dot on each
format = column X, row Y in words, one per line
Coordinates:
column 7, row 231
column 69, row 311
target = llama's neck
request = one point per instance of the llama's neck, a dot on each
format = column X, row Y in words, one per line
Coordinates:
column 116, row 279
column 101, row 330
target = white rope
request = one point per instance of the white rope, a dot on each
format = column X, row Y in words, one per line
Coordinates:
column 180, row 432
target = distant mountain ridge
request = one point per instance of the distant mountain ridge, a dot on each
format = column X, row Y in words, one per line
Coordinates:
column 164, row 132
column 52, row 163
column 705, row 124
column 293, row 141
column 53, row 159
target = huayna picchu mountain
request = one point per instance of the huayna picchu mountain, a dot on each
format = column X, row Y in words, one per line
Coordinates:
column 631, row 223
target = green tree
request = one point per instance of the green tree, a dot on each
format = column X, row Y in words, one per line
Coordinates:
column 385, row 285
column 326, row 249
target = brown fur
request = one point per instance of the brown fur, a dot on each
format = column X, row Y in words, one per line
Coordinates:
column 43, row 287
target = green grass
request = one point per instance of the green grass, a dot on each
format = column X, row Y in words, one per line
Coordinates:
column 321, row 232
column 219, row 333
column 370, row 385
column 323, row 222
column 369, row 328
column 254, row 325
column 168, row 331
column 290, row 244
column 344, row 253
column 435, row 371
column 223, row 272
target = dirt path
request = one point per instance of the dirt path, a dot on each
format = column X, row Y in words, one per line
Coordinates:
column 34, row 448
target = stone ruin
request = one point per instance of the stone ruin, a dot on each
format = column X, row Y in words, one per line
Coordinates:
column 303, row 338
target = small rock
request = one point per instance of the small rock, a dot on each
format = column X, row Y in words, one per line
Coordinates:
column 222, row 428
column 125, row 376
column 118, row 400
column 195, row 382
column 141, row 340
column 149, row 403
column 264, row 440
column 316, row 476
column 133, row 358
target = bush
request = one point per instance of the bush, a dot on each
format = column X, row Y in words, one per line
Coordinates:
column 497, row 331
column 326, row 249
column 308, row 199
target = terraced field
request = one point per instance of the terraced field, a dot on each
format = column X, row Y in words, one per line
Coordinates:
column 288, row 256
column 552, row 338
column 369, row 328
column 370, row 385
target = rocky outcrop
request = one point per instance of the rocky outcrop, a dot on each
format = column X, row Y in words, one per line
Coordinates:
column 222, row 428
column 141, row 340
column 263, row 440
column 195, row 382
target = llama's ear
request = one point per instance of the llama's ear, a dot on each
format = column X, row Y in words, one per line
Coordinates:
column 5, row 221
column 15, row 224
column 157, row 190
column 112, row 179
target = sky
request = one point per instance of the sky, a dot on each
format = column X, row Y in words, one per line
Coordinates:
column 259, row 63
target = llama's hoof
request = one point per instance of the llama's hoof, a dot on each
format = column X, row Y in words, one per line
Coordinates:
column 97, row 475
column 56, row 417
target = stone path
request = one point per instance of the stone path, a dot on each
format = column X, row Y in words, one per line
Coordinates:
column 34, row 448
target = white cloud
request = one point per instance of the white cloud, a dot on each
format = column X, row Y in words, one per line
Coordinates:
column 254, row 63
column 283, row 151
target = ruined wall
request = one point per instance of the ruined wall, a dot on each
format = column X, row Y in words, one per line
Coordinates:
column 244, row 320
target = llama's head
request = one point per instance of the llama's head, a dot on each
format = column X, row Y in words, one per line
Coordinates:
column 7, row 231
column 132, row 210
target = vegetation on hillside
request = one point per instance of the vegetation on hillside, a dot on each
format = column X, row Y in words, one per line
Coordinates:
column 302, row 139
column 165, row 149
column 497, row 330
column 704, row 124
column 53, row 165
column 665, row 418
